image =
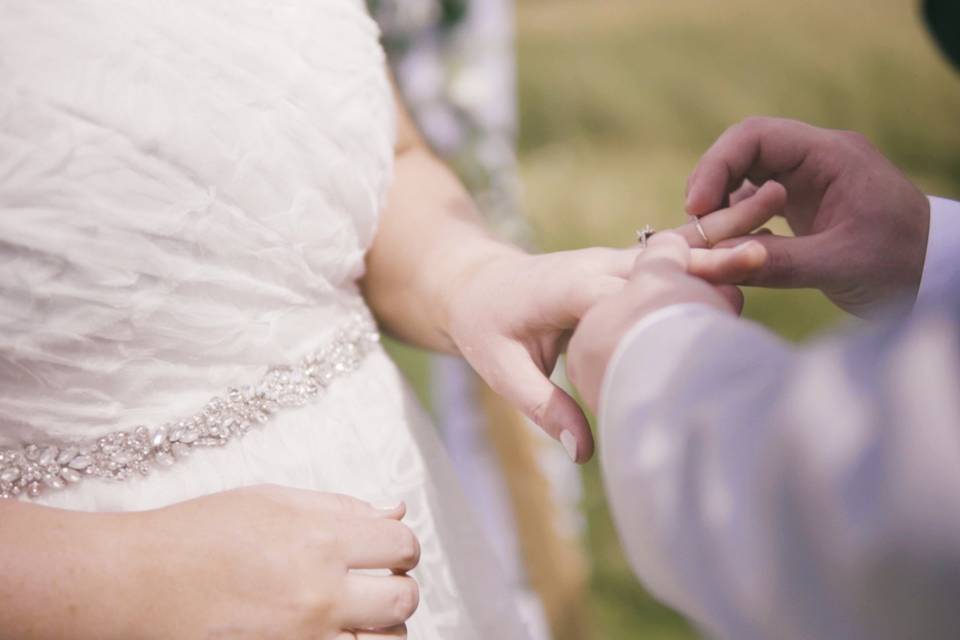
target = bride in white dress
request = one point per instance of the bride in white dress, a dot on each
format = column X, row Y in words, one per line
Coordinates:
column 201, row 200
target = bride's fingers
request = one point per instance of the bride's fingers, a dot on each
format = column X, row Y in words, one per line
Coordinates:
column 728, row 266
column 349, row 506
column 396, row 632
column 738, row 219
column 517, row 378
column 378, row 602
column 385, row 634
column 381, row 544
column 733, row 295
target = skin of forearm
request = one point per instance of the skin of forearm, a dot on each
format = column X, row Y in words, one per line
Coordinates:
column 430, row 237
column 65, row 574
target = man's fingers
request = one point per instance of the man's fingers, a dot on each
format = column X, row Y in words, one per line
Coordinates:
column 378, row 602
column 522, row 382
column 738, row 219
column 381, row 544
column 746, row 190
column 729, row 265
column 755, row 149
column 791, row 262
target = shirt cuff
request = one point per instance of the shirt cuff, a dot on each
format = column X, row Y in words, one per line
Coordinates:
column 677, row 315
column 941, row 267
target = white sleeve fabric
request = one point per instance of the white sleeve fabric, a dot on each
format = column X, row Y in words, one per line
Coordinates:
column 771, row 493
column 941, row 267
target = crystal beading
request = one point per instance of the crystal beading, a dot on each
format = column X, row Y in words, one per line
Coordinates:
column 38, row 467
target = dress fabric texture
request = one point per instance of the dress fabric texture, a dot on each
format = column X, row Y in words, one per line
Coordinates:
column 188, row 190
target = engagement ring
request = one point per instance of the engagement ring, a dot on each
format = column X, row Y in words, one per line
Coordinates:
column 643, row 235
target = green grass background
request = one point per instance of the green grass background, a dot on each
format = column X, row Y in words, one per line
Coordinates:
column 618, row 98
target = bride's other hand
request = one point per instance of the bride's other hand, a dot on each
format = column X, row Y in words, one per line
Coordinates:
column 274, row 562
column 662, row 277
column 255, row 563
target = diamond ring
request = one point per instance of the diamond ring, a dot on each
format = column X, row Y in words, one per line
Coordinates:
column 643, row 235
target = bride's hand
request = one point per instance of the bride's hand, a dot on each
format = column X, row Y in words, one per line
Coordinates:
column 272, row 562
column 510, row 314
column 662, row 277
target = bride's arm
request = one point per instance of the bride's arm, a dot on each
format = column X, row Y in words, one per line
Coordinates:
column 437, row 278
column 430, row 235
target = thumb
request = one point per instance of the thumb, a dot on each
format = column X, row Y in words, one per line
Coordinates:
column 722, row 265
column 792, row 262
column 551, row 408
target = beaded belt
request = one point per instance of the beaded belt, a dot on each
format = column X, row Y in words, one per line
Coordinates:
column 38, row 467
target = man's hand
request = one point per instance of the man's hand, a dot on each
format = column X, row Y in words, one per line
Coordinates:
column 661, row 278
column 861, row 226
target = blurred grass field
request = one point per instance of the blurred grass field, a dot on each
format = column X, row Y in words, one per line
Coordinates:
column 618, row 99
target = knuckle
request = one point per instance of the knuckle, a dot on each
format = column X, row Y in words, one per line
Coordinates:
column 327, row 545
column 751, row 124
column 346, row 506
column 342, row 502
column 538, row 413
column 780, row 265
column 319, row 599
column 855, row 139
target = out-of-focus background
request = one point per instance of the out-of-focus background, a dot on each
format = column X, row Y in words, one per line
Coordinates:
column 618, row 98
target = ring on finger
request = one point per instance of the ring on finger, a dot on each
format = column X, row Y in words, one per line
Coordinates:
column 703, row 234
column 643, row 235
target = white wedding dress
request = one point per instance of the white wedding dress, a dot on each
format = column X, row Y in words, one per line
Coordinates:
column 187, row 192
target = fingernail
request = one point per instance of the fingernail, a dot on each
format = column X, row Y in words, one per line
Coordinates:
column 570, row 444
column 387, row 507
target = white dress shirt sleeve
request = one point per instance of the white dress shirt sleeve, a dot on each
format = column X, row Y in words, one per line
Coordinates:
column 771, row 493
column 941, row 267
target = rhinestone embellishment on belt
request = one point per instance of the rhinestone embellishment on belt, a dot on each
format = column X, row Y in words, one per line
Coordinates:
column 35, row 468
